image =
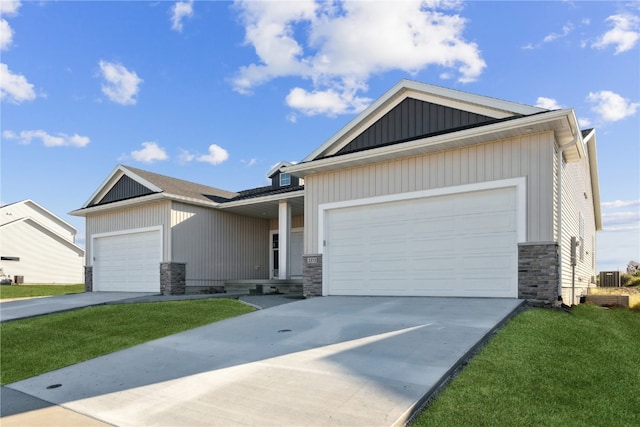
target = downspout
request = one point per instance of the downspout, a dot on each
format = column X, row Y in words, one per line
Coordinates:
column 559, row 213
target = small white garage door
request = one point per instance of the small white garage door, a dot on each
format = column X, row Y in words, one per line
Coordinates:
column 454, row 245
column 127, row 262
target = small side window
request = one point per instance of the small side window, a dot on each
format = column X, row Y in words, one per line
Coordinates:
column 10, row 258
column 285, row 179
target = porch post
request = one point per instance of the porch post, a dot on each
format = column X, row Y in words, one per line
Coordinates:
column 284, row 232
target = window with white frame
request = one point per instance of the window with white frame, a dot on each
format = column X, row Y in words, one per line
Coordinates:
column 285, row 179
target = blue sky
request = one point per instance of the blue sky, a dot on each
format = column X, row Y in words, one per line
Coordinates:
column 219, row 92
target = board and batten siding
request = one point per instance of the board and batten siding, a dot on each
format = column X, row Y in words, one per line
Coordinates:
column 530, row 156
column 218, row 246
column 148, row 215
column 577, row 202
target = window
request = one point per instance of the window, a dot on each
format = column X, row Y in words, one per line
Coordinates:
column 10, row 258
column 285, row 179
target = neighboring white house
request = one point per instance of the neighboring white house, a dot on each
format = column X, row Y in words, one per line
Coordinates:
column 38, row 245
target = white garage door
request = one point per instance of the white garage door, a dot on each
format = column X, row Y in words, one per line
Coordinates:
column 454, row 245
column 127, row 262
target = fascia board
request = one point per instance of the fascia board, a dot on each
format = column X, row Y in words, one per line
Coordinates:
column 256, row 200
column 142, row 200
column 118, row 205
column 406, row 147
column 595, row 181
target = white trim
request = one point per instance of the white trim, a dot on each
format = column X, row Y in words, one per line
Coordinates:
column 254, row 200
column 277, row 168
column 520, row 185
column 125, row 232
column 271, row 234
column 537, row 123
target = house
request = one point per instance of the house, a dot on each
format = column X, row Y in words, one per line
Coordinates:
column 38, row 246
column 428, row 192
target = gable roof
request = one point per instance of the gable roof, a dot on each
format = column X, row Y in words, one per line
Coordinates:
column 41, row 228
column 491, row 119
column 274, row 170
column 6, row 209
column 126, row 184
column 488, row 108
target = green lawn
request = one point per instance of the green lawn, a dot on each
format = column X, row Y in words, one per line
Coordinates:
column 21, row 291
column 549, row 368
column 41, row 344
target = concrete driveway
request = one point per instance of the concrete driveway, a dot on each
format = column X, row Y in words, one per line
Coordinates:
column 324, row 361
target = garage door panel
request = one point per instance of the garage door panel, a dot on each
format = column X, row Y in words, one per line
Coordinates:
column 127, row 262
column 454, row 245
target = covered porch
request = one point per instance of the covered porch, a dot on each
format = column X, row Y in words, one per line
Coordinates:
column 284, row 215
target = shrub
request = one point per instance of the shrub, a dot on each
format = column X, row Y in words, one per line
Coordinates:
column 629, row 280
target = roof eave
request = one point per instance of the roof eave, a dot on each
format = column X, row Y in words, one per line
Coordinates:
column 590, row 141
column 561, row 121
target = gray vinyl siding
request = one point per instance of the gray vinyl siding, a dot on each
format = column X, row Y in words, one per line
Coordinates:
column 575, row 184
column 218, row 246
column 530, row 157
column 148, row 215
column 412, row 118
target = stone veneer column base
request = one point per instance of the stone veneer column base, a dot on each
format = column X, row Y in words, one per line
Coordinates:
column 538, row 272
column 88, row 278
column 312, row 275
column 173, row 278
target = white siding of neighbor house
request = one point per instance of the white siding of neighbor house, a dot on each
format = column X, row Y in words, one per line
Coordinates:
column 29, row 209
column 531, row 157
column 218, row 246
column 136, row 217
column 44, row 258
column 575, row 184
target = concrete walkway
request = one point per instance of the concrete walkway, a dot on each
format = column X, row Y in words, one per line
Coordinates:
column 32, row 307
column 325, row 361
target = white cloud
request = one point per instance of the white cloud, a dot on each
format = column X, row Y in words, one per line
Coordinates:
column 150, row 153
column 15, row 87
column 566, row 30
column 250, row 162
column 317, row 41
column 584, row 122
column 610, row 106
column 6, row 34
column 624, row 35
column 216, row 155
column 185, row 156
column 180, row 11
column 620, row 204
column 329, row 102
column 9, row 7
column 120, row 85
column 548, row 103
column 58, row 140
